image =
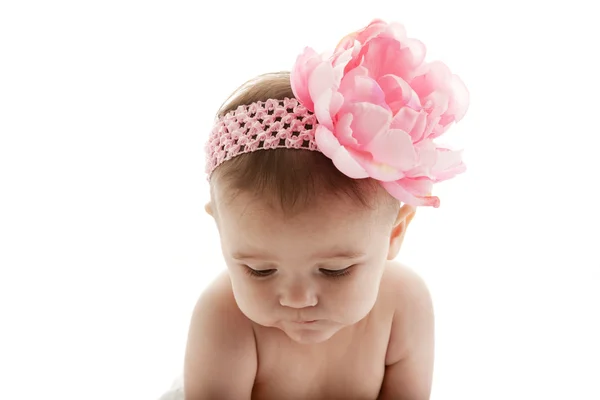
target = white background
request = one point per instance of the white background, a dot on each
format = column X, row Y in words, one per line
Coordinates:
column 105, row 247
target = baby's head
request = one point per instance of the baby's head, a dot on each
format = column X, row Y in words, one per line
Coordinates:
column 315, row 176
column 302, row 241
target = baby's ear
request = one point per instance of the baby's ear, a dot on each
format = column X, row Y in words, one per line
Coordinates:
column 403, row 219
column 209, row 209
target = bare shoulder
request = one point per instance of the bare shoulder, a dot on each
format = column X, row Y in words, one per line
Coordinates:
column 220, row 355
column 407, row 294
column 401, row 282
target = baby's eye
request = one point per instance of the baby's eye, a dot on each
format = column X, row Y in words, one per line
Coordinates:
column 336, row 273
column 260, row 273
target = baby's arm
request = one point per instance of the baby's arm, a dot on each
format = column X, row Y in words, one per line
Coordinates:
column 220, row 357
column 409, row 363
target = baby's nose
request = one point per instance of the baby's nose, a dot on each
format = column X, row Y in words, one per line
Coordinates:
column 298, row 295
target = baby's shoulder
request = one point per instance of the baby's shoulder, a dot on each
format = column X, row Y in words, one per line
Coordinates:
column 400, row 284
column 217, row 310
column 397, row 288
column 404, row 293
column 218, row 296
column 220, row 344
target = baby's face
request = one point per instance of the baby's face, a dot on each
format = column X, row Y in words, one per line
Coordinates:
column 310, row 275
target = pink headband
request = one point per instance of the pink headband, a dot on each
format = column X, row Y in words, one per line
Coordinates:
column 267, row 124
column 373, row 106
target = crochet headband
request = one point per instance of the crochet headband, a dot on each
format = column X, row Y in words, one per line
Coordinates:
column 373, row 106
column 267, row 124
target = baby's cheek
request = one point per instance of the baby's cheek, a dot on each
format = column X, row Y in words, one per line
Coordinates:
column 251, row 298
column 241, row 291
column 259, row 294
column 363, row 292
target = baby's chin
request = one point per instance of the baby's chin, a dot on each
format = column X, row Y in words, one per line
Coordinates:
column 309, row 336
column 314, row 333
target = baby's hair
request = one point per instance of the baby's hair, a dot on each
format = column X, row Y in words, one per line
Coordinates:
column 293, row 179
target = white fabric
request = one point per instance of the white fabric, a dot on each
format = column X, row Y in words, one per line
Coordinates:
column 175, row 392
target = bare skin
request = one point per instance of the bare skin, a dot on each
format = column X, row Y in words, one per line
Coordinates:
column 350, row 365
column 283, row 322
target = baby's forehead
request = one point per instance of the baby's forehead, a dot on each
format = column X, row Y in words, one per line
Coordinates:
column 325, row 221
column 330, row 209
column 320, row 231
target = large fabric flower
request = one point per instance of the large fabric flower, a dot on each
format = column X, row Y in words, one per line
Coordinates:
column 379, row 106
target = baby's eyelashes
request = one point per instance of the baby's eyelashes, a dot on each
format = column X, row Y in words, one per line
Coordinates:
column 336, row 273
column 330, row 273
column 259, row 273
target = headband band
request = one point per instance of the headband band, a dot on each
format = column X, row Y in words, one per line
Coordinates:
column 265, row 125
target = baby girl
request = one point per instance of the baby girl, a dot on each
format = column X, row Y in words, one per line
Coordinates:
column 315, row 176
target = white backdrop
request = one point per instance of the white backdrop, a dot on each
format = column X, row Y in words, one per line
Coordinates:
column 105, row 247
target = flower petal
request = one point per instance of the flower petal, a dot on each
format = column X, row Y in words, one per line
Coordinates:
column 369, row 120
column 357, row 86
column 431, row 76
column 383, row 56
column 417, row 51
column 407, row 190
column 376, row 170
column 393, row 148
column 322, row 108
column 410, row 121
column 398, row 93
column 459, row 101
column 341, row 59
column 348, row 165
column 449, row 164
column 328, row 144
column 427, row 157
column 374, row 29
column 418, row 186
column 362, row 36
column 326, row 106
column 304, row 66
column 321, row 80
column 344, row 131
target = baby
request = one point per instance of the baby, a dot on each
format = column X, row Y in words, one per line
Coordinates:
column 315, row 176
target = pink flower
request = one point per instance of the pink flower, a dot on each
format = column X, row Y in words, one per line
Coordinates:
column 379, row 107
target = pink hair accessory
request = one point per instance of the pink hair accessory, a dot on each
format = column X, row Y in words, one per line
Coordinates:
column 265, row 125
column 379, row 107
column 373, row 106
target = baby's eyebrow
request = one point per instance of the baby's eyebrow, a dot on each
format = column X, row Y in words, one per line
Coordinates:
column 349, row 254
column 248, row 256
column 332, row 255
